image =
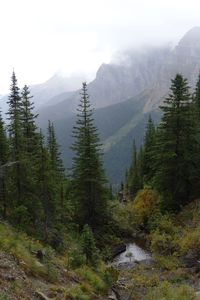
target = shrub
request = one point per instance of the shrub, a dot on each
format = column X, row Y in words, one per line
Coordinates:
column 190, row 242
column 164, row 239
column 88, row 246
column 166, row 291
column 167, row 262
column 49, row 259
column 4, row 297
column 145, row 205
column 76, row 258
column 92, row 278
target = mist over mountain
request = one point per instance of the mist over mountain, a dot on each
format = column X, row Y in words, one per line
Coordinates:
column 123, row 94
column 45, row 93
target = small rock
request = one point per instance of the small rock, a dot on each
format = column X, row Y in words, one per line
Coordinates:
column 41, row 295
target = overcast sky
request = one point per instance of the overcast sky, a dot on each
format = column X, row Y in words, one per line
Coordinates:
column 41, row 37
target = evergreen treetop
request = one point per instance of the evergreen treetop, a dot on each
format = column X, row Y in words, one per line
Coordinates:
column 88, row 179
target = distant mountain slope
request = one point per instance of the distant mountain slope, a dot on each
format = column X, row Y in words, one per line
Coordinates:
column 51, row 92
column 143, row 78
column 118, row 125
column 148, row 69
column 47, row 93
column 114, row 83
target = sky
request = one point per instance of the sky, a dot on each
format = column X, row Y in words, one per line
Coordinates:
column 42, row 37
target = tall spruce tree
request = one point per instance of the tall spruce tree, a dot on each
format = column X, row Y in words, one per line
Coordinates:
column 28, row 119
column 53, row 147
column 31, row 149
column 148, row 155
column 174, row 146
column 16, row 139
column 196, row 101
column 61, row 182
column 46, row 189
column 135, row 180
column 3, row 170
column 196, row 157
column 88, row 180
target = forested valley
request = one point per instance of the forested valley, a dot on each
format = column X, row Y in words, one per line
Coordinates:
column 61, row 230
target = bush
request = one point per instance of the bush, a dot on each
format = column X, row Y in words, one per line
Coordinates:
column 111, row 276
column 123, row 217
column 145, row 205
column 76, row 258
column 167, row 262
column 88, row 246
column 164, row 239
column 190, row 242
column 96, row 282
column 4, row 297
column 166, row 291
column 49, row 258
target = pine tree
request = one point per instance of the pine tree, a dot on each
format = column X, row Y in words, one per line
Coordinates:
column 29, row 159
column 174, row 146
column 3, row 161
column 16, row 138
column 196, row 100
column 88, row 180
column 135, row 180
column 53, row 148
column 88, row 246
column 149, row 146
column 60, row 180
column 28, row 119
column 196, row 147
column 46, row 190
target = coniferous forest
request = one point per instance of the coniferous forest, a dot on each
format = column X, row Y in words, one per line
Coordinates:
column 66, row 226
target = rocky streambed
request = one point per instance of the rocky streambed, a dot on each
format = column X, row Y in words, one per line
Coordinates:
column 132, row 255
column 135, row 264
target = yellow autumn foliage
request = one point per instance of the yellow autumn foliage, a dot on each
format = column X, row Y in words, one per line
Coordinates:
column 145, row 205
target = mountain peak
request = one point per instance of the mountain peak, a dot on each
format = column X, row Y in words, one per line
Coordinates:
column 188, row 47
column 191, row 38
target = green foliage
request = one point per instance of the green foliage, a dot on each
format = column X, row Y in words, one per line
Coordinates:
column 166, row 291
column 3, row 170
column 76, row 258
column 21, row 247
column 76, row 294
column 145, row 205
column 111, row 276
column 149, row 155
column 123, row 217
column 93, row 278
column 4, row 297
column 176, row 146
column 164, row 238
column 88, row 181
column 166, row 262
column 134, row 181
column 190, row 241
column 88, row 246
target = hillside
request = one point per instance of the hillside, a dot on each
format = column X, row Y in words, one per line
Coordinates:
column 118, row 126
column 32, row 270
column 142, row 78
column 123, row 94
column 173, row 271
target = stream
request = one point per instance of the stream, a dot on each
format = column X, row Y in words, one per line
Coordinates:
column 133, row 255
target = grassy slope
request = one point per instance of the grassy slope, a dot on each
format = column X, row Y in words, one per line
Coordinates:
column 23, row 276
